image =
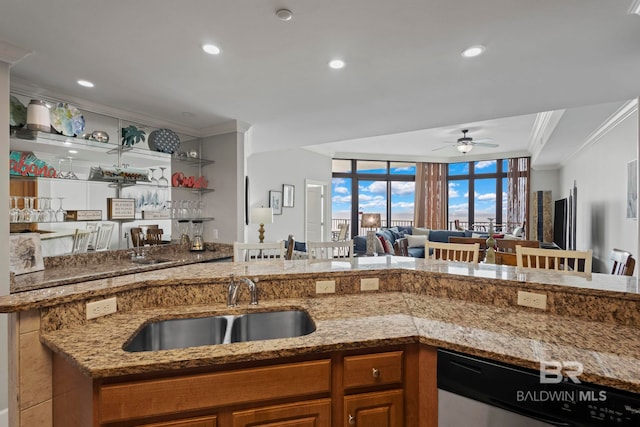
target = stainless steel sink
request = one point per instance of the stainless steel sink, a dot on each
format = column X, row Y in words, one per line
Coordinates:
column 271, row 325
column 179, row 333
column 148, row 261
column 194, row 332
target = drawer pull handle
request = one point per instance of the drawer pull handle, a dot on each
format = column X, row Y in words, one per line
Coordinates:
column 352, row 420
column 375, row 372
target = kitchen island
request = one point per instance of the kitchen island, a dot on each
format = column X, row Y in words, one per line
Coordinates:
column 420, row 305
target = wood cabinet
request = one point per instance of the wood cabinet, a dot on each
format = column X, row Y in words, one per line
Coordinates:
column 380, row 409
column 366, row 388
column 209, row 421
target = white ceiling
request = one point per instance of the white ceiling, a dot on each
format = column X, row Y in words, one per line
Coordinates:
column 404, row 70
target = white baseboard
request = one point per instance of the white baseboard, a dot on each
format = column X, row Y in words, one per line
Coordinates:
column 4, row 418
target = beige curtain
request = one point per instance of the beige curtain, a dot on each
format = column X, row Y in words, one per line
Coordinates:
column 431, row 196
column 518, row 174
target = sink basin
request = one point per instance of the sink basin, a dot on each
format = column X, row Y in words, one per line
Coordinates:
column 212, row 330
column 148, row 261
column 179, row 333
column 270, row 325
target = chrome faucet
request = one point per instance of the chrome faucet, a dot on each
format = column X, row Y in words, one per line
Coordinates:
column 232, row 296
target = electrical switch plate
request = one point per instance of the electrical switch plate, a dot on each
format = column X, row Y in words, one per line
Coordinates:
column 326, row 287
column 101, row 308
column 369, row 284
column 531, row 299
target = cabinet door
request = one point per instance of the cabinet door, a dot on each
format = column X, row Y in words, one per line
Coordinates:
column 380, row 409
column 313, row 413
column 209, row 421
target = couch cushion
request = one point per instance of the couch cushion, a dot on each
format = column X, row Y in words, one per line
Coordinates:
column 387, row 234
column 396, row 233
column 416, row 252
column 443, row 235
column 360, row 244
column 416, row 241
column 420, row 231
column 405, row 229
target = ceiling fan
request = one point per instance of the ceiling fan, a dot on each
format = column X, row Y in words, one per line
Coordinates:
column 466, row 143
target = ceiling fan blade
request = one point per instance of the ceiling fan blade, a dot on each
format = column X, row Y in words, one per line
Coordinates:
column 484, row 144
column 475, row 141
column 440, row 148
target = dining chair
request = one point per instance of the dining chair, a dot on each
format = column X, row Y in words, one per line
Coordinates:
column 290, row 244
column 330, row 250
column 258, row 251
column 462, row 252
column 343, row 230
column 80, row 241
column 137, row 238
column 623, row 263
column 555, row 259
column 154, row 236
column 93, row 228
column 509, row 245
column 103, row 239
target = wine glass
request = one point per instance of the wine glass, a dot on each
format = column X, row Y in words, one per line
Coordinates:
column 14, row 212
column 70, row 174
column 163, row 182
column 154, row 181
column 61, row 214
column 61, row 174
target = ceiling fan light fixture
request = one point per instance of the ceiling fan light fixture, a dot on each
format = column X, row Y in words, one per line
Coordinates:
column 464, row 148
column 635, row 8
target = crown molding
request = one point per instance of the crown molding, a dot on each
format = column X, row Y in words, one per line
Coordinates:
column 543, row 126
column 11, row 54
column 226, row 127
column 458, row 158
column 623, row 113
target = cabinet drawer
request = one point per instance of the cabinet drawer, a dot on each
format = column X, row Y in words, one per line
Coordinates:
column 139, row 399
column 210, row 421
column 372, row 369
column 314, row 413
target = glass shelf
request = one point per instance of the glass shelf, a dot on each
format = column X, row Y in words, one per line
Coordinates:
column 192, row 161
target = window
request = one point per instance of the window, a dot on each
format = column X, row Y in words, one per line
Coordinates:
column 387, row 188
column 479, row 191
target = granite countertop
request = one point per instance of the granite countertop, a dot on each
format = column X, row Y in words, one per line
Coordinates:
column 108, row 266
column 346, row 322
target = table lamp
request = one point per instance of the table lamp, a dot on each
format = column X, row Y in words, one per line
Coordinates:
column 261, row 216
column 371, row 221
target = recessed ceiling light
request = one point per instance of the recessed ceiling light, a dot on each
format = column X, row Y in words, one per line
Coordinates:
column 284, row 14
column 211, row 49
column 73, row 151
column 336, row 64
column 85, row 83
column 473, row 51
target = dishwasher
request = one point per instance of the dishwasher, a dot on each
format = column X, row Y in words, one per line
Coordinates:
column 477, row 392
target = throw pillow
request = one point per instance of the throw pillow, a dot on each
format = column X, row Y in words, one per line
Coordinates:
column 396, row 233
column 420, row 231
column 379, row 245
column 416, row 241
column 388, row 248
column 518, row 231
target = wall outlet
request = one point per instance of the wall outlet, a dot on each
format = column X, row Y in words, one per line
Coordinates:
column 369, row 284
column 530, row 299
column 326, row 287
column 101, row 308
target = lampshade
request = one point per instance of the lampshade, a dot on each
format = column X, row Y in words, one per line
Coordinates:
column 370, row 220
column 262, row 215
column 464, row 148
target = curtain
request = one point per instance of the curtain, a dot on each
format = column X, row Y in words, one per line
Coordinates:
column 518, row 172
column 431, row 196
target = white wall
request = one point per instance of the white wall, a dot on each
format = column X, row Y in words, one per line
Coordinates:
column 547, row 180
column 4, row 235
column 268, row 171
column 600, row 173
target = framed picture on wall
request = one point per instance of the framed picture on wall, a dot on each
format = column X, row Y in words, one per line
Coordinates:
column 288, row 195
column 275, row 202
column 632, row 189
column 25, row 253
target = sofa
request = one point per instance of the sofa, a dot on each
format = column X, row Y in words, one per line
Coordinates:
column 416, row 244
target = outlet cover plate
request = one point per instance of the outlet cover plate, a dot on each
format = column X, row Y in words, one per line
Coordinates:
column 369, row 284
column 325, row 287
column 532, row 299
column 101, row 308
